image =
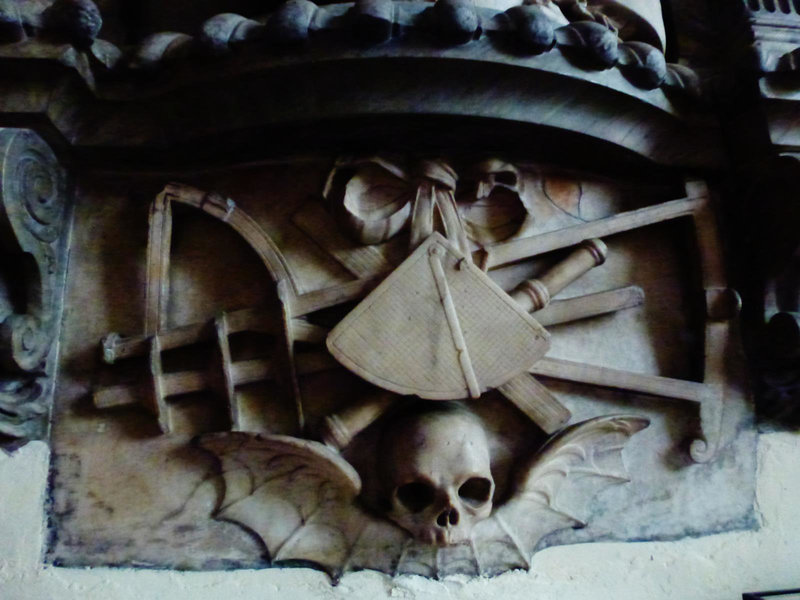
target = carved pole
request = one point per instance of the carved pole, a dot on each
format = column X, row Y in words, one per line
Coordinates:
column 339, row 429
column 532, row 398
column 535, row 294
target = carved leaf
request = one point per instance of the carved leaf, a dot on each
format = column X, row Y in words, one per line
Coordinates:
column 290, row 23
column 78, row 21
column 579, row 10
column 373, row 21
column 457, row 20
column 644, row 65
column 599, row 42
column 222, row 31
column 683, row 78
column 161, row 47
column 550, row 9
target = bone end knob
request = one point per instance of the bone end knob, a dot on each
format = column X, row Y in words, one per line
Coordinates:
column 535, row 294
column 338, row 430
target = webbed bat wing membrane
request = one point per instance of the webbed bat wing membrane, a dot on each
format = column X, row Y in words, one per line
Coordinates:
column 300, row 498
column 554, row 489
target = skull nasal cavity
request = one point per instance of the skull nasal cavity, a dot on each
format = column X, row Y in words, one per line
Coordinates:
column 449, row 516
column 415, row 496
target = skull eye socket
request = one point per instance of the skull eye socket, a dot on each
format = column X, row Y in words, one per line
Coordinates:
column 475, row 491
column 416, row 496
column 506, row 178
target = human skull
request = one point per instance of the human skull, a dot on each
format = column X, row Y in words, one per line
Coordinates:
column 438, row 477
column 493, row 205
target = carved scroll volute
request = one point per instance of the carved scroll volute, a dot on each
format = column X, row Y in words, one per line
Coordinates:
column 32, row 219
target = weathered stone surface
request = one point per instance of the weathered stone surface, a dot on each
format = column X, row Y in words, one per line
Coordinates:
column 457, row 20
column 649, row 258
column 618, row 112
column 10, row 23
column 373, row 20
column 77, row 21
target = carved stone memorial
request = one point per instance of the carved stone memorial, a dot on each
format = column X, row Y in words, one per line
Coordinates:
column 420, row 288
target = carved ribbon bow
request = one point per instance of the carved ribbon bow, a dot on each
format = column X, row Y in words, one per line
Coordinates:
column 375, row 198
column 436, row 186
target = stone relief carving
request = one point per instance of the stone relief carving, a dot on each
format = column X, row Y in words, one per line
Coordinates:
column 434, row 459
column 302, row 499
column 430, row 377
column 157, row 339
column 633, row 20
column 34, row 219
column 360, row 341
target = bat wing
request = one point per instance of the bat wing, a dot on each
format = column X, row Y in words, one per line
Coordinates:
column 300, row 498
column 553, row 491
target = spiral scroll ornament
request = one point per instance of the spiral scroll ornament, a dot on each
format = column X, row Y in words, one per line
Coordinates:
column 33, row 192
column 40, row 196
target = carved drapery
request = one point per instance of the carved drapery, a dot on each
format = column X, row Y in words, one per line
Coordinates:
column 33, row 231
